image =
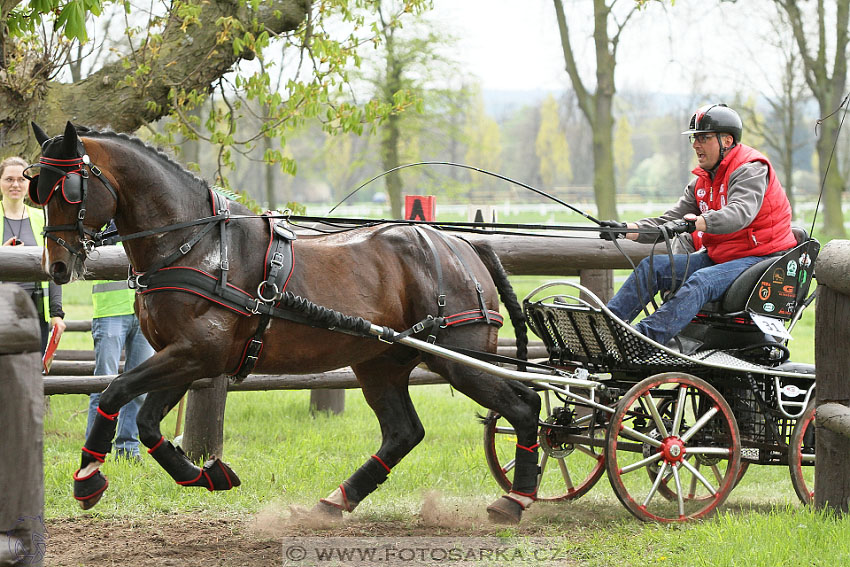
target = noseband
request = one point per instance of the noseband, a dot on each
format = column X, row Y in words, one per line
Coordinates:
column 82, row 167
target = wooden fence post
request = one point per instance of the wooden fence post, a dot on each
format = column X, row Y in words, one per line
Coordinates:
column 832, row 360
column 22, row 532
column 204, row 432
column 600, row 282
column 327, row 400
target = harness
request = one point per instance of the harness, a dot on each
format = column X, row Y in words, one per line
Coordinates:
column 271, row 299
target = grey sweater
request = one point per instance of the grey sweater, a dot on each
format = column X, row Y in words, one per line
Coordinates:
column 744, row 196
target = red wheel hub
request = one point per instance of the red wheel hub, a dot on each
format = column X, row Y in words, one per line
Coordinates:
column 673, row 450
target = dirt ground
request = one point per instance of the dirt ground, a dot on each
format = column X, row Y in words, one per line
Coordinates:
column 264, row 539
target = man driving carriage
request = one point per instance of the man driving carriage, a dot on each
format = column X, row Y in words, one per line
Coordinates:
column 737, row 213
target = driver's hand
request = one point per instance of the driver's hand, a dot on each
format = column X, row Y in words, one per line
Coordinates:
column 605, row 232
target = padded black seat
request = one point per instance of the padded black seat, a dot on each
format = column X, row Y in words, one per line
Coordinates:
column 735, row 298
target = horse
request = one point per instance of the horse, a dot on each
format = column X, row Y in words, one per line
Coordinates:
column 393, row 275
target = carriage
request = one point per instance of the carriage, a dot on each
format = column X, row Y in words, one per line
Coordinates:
column 675, row 432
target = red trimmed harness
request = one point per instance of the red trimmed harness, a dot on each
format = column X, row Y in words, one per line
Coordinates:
column 273, row 301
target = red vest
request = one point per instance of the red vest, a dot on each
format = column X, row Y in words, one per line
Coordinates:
column 770, row 231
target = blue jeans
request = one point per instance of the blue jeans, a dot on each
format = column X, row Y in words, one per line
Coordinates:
column 704, row 281
column 112, row 335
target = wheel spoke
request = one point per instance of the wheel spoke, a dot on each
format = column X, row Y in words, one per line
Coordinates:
column 509, row 466
column 638, row 436
column 692, row 490
column 568, row 480
column 714, row 451
column 654, row 489
column 706, row 417
column 642, row 463
column 656, row 417
column 698, row 476
column 590, row 452
column 680, row 500
column 680, row 409
column 506, row 430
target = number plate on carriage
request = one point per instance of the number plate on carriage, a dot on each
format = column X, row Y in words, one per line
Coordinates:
column 771, row 326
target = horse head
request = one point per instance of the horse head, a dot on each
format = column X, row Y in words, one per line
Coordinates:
column 79, row 210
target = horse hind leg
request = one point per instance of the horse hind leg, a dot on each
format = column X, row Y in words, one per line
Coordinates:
column 520, row 406
column 385, row 387
column 214, row 475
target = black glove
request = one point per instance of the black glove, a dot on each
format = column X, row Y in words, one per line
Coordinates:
column 606, row 234
column 680, row 226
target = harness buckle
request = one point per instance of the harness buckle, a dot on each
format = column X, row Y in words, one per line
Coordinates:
column 225, row 264
column 185, row 248
column 256, row 307
column 82, row 214
column 418, row 327
column 441, row 300
column 96, row 170
column 277, row 260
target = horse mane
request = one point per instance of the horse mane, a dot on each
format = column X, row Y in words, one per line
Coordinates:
column 145, row 147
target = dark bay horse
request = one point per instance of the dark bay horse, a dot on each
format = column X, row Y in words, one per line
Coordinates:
column 391, row 275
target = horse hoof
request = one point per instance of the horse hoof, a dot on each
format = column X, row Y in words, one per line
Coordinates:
column 89, row 489
column 505, row 511
column 221, row 476
column 327, row 510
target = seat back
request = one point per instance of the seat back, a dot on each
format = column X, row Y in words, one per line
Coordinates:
column 775, row 286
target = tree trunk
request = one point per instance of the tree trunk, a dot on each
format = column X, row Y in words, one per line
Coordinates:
column 189, row 56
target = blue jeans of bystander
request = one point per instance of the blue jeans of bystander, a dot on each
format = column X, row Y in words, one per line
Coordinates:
column 112, row 335
column 704, row 281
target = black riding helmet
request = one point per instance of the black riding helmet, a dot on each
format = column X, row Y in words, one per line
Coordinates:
column 718, row 119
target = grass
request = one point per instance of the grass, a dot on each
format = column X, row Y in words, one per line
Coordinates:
column 286, row 457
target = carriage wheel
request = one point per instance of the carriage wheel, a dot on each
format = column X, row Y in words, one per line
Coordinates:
column 801, row 455
column 567, row 471
column 667, row 487
column 695, row 455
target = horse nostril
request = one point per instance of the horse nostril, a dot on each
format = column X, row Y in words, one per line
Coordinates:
column 58, row 270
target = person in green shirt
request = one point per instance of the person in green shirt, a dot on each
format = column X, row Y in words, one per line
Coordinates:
column 114, row 328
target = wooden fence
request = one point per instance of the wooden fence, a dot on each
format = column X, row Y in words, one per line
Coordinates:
column 832, row 360
column 590, row 258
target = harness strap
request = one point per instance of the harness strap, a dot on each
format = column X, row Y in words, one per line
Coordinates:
column 279, row 266
column 478, row 288
column 431, row 322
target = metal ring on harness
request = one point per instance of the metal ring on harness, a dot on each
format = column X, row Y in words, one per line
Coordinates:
column 276, row 297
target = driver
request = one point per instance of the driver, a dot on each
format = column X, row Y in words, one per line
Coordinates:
column 738, row 213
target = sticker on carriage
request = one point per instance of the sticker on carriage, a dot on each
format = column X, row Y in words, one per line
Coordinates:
column 778, row 276
column 764, row 291
column 768, row 307
column 805, row 260
column 803, row 277
column 792, row 391
column 788, row 291
column 792, row 268
column 771, row 326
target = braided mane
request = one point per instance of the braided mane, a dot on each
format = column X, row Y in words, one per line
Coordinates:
column 143, row 146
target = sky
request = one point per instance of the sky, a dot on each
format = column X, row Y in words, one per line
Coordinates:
column 692, row 46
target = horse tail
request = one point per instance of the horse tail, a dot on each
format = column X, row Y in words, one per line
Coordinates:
column 507, row 295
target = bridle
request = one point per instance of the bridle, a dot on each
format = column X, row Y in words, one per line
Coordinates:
column 73, row 185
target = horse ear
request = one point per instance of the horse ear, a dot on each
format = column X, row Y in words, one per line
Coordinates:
column 40, row 136
column 69, row 140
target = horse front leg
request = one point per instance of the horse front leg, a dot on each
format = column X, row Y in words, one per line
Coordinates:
column 162, row 375
column 215, row 474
